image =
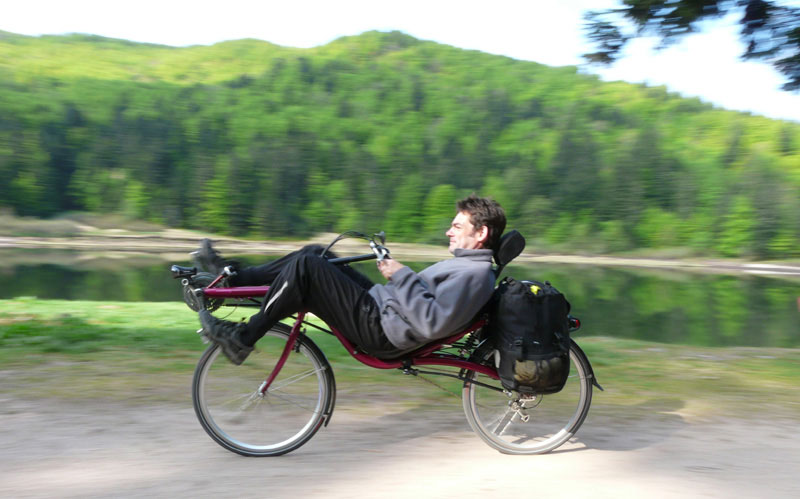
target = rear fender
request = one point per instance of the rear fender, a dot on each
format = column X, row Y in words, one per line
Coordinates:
column 585, row 358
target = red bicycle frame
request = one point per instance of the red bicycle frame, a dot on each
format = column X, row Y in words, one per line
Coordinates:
column 427, row 355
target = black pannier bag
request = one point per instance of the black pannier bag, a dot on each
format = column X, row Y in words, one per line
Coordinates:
column 529, row 324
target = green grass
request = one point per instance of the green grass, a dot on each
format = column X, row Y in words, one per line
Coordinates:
column 115, row 349
column 147, row 351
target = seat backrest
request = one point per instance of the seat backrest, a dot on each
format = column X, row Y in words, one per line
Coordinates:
column 511, row 245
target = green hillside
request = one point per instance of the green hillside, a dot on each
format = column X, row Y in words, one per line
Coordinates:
column 384, row 131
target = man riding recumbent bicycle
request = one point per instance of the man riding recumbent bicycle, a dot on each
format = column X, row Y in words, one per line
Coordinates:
column 522, row 394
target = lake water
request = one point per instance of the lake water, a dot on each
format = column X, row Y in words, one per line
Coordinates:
column 662, row 306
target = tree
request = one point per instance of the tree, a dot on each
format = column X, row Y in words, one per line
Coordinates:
column 439, row 209
column 271, row 151
column 736, row 236
column 215, row 211
column 770, row 31
column 404, row 219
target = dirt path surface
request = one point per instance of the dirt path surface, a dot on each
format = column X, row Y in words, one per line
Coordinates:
column 53, row 448
column 61, row 449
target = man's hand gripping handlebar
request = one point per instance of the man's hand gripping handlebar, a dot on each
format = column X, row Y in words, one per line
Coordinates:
column 386, row 264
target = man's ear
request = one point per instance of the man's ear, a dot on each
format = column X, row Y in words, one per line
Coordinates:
column 483, row 235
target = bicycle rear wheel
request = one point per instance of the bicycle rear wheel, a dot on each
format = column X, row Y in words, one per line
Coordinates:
column 232, row 410
column 514, row 423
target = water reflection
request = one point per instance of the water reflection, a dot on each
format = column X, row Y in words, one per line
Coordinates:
column 662, row 306
column 679, row 307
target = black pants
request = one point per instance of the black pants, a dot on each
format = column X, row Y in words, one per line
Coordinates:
column 302, row 280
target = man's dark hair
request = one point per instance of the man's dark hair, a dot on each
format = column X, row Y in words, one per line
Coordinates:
column 485, row 211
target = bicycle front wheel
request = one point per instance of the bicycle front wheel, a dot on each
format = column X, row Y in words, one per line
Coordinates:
column 233, row 411
column 514, row 423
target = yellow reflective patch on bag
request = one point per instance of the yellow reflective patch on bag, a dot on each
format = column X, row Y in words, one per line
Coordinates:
column 535, row 289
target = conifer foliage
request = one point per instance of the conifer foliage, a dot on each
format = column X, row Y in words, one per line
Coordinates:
column 377, row 131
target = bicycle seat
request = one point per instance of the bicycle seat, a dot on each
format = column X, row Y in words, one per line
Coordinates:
column 511, row 245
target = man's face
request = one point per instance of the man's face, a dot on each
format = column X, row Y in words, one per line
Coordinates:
column 463, row 235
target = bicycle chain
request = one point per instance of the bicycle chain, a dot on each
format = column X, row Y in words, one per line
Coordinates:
column 423, row 378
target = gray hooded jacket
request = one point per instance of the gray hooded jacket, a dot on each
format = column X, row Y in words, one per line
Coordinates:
column 436, row 303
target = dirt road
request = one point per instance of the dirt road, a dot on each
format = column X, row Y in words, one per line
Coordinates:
column 51, row 448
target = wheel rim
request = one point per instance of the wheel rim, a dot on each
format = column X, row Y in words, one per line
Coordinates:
column 517, row 424
column 235, row 413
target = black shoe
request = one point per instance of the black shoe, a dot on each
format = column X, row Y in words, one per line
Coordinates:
column 208, row 258
column 227, row 335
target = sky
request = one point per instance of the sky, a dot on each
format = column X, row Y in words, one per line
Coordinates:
column 706, row 65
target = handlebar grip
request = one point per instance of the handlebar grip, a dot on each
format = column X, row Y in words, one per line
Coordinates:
column 382, row 252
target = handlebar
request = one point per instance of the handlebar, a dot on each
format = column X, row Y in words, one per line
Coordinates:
column 379, row 251
column 344, row 260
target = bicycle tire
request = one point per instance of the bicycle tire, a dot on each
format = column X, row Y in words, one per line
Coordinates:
column 228, row 403
column 498, row 416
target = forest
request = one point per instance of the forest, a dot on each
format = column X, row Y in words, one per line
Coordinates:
column 382, row 131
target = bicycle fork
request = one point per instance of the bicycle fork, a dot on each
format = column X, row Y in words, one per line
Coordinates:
column 287, row 349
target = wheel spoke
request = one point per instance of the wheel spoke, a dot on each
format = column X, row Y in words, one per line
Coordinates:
column 235, row 400
column 277, row 394
column 255, row 398
column 294, row 379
